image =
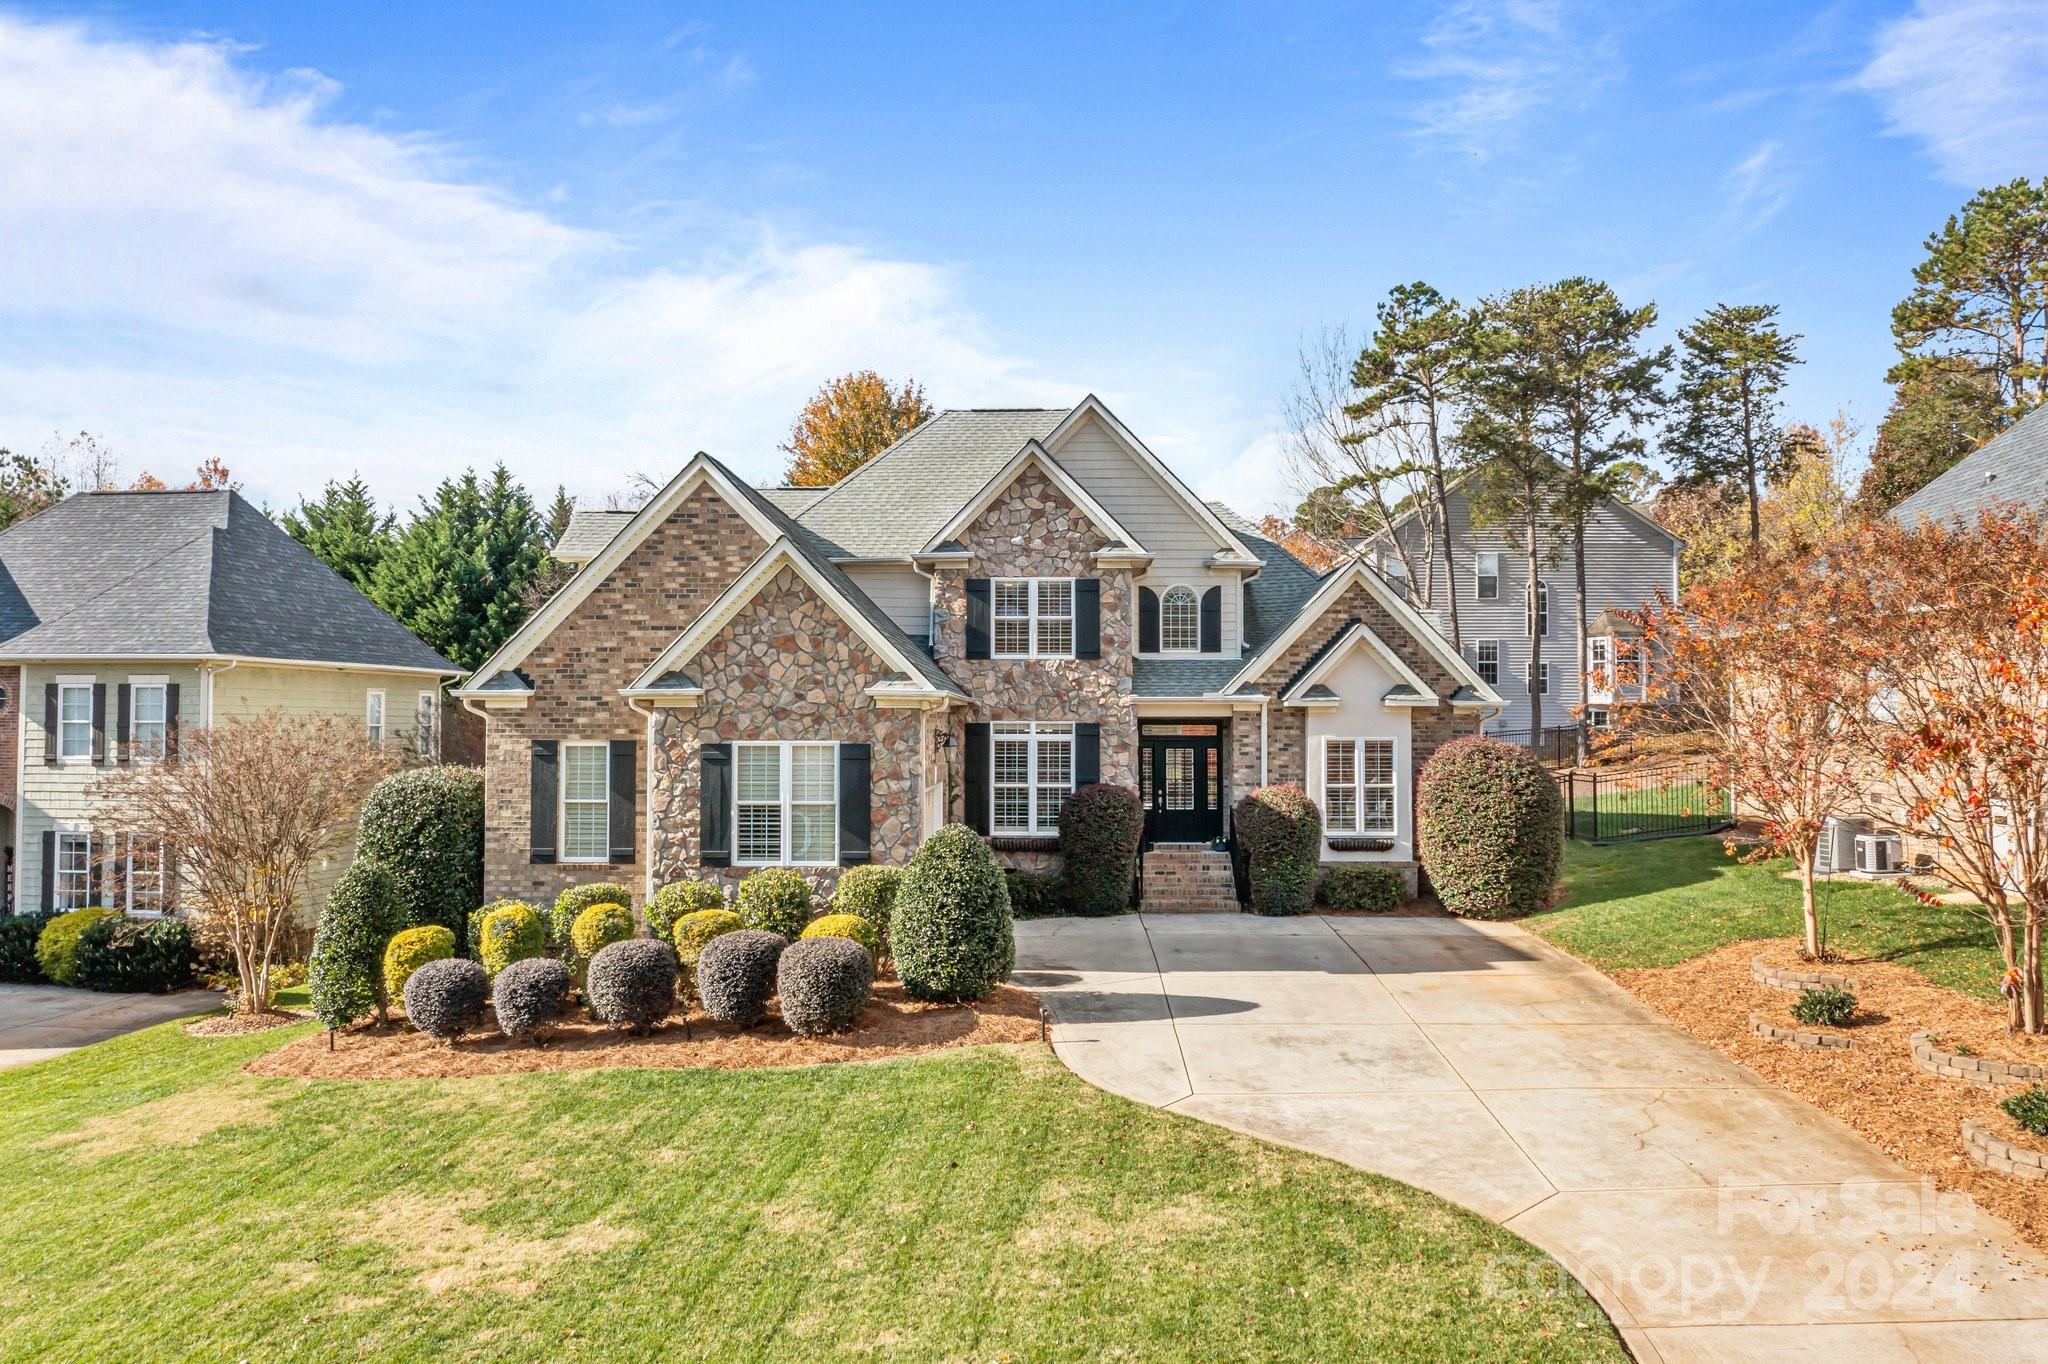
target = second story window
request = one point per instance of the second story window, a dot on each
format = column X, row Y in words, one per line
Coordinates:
column 1486, row 657
column 1034, row 617
column 1180, row 621
column 1486, row 577
column 74, row 721
column 151, row 718
column 423, row 724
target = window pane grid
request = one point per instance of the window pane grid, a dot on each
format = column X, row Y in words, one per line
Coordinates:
column 1034, row 617
column 1031, row 774
column 586, row 802
column 74, row 721
column 787, row 804
column 1359, row 786
column 149, row 715
column 1180, row 621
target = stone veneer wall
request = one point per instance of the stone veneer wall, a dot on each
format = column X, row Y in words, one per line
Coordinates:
column 786, row 667
column 663, row 585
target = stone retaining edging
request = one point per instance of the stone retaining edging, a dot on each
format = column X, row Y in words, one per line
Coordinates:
column 1794, row 1037
column 1996, row 1153
column 1787, row 978
column 1974, row 1069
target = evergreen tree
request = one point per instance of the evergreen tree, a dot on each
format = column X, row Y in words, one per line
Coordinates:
column 1725, row 428
column 1943, row 412
column 458, row 574
column 344, row 530
column 27, row 486
column 559, row 512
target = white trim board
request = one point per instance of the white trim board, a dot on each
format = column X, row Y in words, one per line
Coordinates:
column 1355, row 634
column 1035, row 454
column 1239, row 554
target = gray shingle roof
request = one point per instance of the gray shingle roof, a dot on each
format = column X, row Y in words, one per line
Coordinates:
column 1182, row 676
column 2011, row 467
column 587, row 533
column 187, row 574
column 1272, row 599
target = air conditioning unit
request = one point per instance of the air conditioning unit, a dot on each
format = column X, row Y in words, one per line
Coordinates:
column 1837, row 849
column 1879, row 855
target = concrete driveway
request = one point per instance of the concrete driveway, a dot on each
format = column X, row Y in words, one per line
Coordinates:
column 39, row 1021
column 1713, row 1216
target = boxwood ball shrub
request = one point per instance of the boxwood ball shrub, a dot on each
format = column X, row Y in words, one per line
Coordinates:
column 1828, row 1006
column 775, row 900
column 427, row 825
column 952, row 937
column 511, row 932
column 632, row 984
column 823, row 983
column 2029, row 1108
column 1100, row 829
column 868, row 890
column 599, row 927
column 690, row 933
column 1489, row 826
column 411, row 949
column 528, row 996
column 446, row 998
column 152, row 956
column 1360, row 885
column 346, row 973
column 850, row 926
column 473, row 941
column 1281, row 831
column 18, row 934
column 574, row 901
column 735, row 975
column 57, row 944
column 678, row 898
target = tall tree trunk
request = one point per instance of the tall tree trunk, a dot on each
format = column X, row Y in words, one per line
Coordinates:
column 1749, row 467
column 2030, row 976
column 1535, row 634
column 1443, row 512
column 1579, row 615
column 1809, row 904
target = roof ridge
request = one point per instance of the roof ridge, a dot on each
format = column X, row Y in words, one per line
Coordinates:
column 898, row 443
column 139, row 570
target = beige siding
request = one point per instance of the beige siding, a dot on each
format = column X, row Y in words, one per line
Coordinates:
column 904, row 594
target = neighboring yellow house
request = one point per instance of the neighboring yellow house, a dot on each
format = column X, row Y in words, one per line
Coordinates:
column 128, row 617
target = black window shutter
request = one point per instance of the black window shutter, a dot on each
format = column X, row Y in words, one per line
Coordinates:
column 1212, row 621
column 979, row 618
column 1087, row 617
column 545, row 783
column 977, row 778
column 1087, row 754
column 855, row 804
column 49, row 731
column 170, row 718
column 170, row 878
column 49, row 869
column 1148, row 620
column 121, row 726
column 714, row 805
column 624, row 819
column 99, row 722
column 95, row 869
column 117, row 872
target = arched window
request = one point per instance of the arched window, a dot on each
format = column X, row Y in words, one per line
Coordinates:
column 1180, row 621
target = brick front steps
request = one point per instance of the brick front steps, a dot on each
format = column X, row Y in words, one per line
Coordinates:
column 1188, row 878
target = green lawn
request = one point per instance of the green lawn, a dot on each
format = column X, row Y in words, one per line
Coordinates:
column 1616, row 812
column 1662, row 902
column 974, row 1205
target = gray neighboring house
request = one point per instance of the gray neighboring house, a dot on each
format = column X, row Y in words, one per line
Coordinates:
column 126, row 618
column 1629, row 560
column 2010, row 467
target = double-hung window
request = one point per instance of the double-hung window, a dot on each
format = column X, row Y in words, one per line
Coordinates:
column 586, row 802
column 143, row 876
column 1031, row 774
column 1543, row 677
column 787, row 804
column 373, row 716
column 1486, row 658
column 74, row 721
column 1358, row 786
column 149, row 720
column 1034, row 617
column 1541, row 623
column 1486, row 576
column 1596, row 661
column 1180, row 621
column 71, row 884
column 423, row 724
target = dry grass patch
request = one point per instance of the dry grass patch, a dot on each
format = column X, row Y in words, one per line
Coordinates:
column 1062, row 1224
column 438, row 1237
column 176, row 1120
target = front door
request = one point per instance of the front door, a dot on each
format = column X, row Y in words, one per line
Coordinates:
column 1178, row 777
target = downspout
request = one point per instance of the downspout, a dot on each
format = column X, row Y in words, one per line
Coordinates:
column 1264, row 703
column 648, row 855
column 206, row 676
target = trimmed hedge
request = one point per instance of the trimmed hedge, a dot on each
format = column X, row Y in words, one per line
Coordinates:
column 1100, row 829
column 57, row 944
column 411, row 949
column 599, row 927
column 849, row 926
column 823, row 984
column 1489, row 828
column 678, row 898
column 690, row 933
column 18, row 934
column 1281, row 831
column 952, row 936
column 1035, row 894
column 576, row 899
column 511, row 932
column 1361, row 885
column 153, row 956
column 775, row 900
column 346, row 974
column 528, row 996
column 736, row 973
column 869, row 890
column 427, row 825
column 632, row 984
column 446, row 998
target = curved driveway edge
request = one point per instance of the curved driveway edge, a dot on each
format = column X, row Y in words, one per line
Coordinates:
column 41, row 1021
column 1712, row 1215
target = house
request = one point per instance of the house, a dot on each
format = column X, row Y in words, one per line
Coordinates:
column 1003, row 605
column 126, row 618
column 2010, row 467
column 1629, row 560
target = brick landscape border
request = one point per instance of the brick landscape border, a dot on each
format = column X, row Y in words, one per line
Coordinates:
column 1996, row 1153
column 1974, row 1069
column 1795, row 1037
column 1787, row 978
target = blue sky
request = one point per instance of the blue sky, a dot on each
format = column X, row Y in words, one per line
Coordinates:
column 591, row 240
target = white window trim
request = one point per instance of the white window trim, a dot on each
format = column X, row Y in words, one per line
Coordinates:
column 1479, row 666
column 786, row 789
column 1036, row 732
column 426, row 739
column 1539, row 624
column 163, row 880
column 375, row 731
column 74, row 683
column 1193, row 592
column 1032, row 615
column 1322, row 783
column 562, row 803
column 57, row 898
column 136, row 686
column 1543, row 676
column 1479, row 575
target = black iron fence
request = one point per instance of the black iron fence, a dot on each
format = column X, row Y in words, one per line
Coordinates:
column 1621, row 805
column 1557, row 746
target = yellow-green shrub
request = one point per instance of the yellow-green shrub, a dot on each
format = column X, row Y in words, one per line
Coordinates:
column 57, row 944
column 511, row 932
column 411, row 949
column 850, row 926
column 678, row 898
column 599, row 926
column 691, row 932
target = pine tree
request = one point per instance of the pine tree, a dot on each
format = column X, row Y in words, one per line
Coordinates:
column 27, row 486
column 1725, row 428
column 344, row 530
column 458, row 574
column 559, row 512
column 1943, row 412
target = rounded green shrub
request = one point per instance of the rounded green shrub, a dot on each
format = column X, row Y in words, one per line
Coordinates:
column 574, row 901
column 426, row 824
column 2028, row 1108
column 511, row 932
column 1100, row 829
column 153, row 956
column 57, row 944
column 1827, row 1006
column 409, row 950
column 528, row 996
column 1489, row 828
column 823, row 984
column 775, row 900
column 952, row 937
column 18, row 934
column 446, row 998
column 690, row 933
column 678, row 898
column 736, row 973
column 472, row 942
column 868, row 890
column 632, row 984
column 597, row 927
column 346, row 973
column 850, row 926
column 1361, row 885
column 1281, row 832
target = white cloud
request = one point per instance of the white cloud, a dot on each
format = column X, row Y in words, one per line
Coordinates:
column 1966, row 78
column 1500, row 63
column 1758, row 186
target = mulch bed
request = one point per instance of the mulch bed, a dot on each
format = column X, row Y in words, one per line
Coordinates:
column 1875, row 1087
column 2006, row 1130
column 237, row 1025
column 891, row 1025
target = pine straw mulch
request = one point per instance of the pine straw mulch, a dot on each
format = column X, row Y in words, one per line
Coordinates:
column 891, row 1025
column 1913, row 1116
column 238, row 1025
